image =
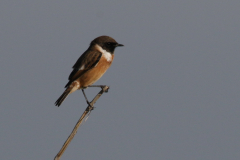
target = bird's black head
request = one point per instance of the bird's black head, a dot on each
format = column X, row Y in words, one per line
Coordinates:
column 107, row 43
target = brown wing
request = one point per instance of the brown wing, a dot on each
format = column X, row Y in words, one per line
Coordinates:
column 86, row 61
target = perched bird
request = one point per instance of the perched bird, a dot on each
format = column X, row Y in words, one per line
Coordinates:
column 90, row 66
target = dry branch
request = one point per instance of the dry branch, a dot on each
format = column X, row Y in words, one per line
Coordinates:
column 74, row 131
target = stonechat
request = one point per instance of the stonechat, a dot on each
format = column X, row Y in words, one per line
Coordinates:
column 90, row 66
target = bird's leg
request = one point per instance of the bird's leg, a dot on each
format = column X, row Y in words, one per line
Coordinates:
column 91, row 107
column 101, row 86
column 97, row 86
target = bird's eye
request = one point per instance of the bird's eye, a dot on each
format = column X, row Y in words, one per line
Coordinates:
column 109, row 43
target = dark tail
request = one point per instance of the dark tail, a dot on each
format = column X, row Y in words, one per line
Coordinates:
column 62, row 97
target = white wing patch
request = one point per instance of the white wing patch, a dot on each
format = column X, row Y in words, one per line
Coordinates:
column 105, row 53
column 82, row 68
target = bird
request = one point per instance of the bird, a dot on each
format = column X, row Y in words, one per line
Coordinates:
column 90, row 66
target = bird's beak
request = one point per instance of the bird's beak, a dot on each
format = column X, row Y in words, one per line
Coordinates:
column 120, row 45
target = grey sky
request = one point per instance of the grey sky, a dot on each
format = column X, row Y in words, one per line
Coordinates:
column 174, row 85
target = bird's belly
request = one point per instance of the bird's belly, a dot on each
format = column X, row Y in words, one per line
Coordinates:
column 94, row 74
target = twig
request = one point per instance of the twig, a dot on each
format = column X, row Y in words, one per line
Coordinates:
column 74, row 131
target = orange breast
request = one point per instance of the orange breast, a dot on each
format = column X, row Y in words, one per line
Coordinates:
column 95, row 73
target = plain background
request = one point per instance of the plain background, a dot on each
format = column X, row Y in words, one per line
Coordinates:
column 174, row 85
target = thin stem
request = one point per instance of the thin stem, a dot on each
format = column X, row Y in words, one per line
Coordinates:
column 74, row 131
